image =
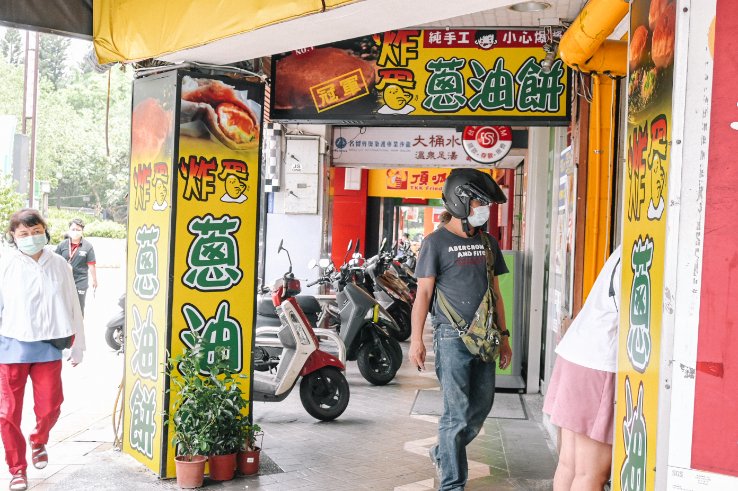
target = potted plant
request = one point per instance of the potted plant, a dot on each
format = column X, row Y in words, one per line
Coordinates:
column 190, row 421
column 248, row 456
column 227, row 405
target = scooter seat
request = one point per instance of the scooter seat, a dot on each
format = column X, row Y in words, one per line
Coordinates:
column 307, row 303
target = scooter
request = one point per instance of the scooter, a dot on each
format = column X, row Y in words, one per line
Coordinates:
column 366, row 328
column 390, row 291
column 324, row 391
column 115, row 328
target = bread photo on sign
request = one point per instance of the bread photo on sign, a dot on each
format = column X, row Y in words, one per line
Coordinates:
column 296, row 74
column 219, row 108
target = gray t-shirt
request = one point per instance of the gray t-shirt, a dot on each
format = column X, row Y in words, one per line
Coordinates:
column 459, row 266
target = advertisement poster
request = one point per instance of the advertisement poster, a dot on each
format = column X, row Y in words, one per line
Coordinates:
column 715, row 434
column 147, row 292
column 427, row 76
column 651, row 65
column 217, row 193
column 408, row 183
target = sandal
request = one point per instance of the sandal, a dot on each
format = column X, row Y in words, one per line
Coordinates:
column 19, row 481
column 39, row 457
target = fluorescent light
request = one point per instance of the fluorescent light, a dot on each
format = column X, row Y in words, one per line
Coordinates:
column 529, row 6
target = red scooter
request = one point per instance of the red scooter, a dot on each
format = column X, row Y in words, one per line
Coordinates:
column 324, row 391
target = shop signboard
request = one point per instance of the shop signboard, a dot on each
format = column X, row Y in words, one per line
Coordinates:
column 426, row 183
column 194, row 246
column 715, row 434
column 404, row 147
column 650, row 86
column 428, row 77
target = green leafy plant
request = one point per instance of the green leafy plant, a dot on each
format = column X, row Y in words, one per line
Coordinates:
column 10, row 201
column 250, row 435
column 208, row 412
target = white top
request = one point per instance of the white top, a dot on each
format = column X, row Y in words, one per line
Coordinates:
column 592, row 338
column 38, row 300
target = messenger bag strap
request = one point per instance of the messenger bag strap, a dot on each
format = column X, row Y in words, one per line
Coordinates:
column 450, row 313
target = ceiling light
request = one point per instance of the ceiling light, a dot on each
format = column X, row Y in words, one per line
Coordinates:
column 530, row 6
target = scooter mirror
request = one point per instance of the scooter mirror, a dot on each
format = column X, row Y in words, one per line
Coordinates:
column 384, row 242
column 324, row 262
column 312, row 264
column 281, row 243
column 351, row 243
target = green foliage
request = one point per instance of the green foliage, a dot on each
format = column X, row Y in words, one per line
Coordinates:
column 10, row 201
column 250, row 434
column 106, row 228
column 11, row 47
column 208, row 411
column 52, row 58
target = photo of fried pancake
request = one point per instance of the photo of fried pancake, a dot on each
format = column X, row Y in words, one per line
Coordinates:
column 296, row 74
column 219, row 107
column 150, row 127
column 638, row 47
column 662, row 44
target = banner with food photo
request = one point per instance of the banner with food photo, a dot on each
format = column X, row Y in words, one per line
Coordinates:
column 650, row 87
column 149, row 235
column 216, row 221
column 425, row 77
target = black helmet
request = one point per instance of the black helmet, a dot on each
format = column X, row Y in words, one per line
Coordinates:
column 464, row 185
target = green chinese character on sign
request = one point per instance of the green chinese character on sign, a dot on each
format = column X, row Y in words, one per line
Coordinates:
column 639, row 330
column 143, row 426
column 221, row 331
column 495, row 88
column 539, row 91
column 445, row 87
column 213, row 256
column 145, row 281
column 144, row 361
column 635, row 440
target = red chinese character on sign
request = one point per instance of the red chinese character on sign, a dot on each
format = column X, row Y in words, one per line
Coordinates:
column 199, row 176
column 439, row 179
column 141, row 186
column 437, row 141
column 396, row 76
column 397, row 47
column 421, row 179
column 419, row 140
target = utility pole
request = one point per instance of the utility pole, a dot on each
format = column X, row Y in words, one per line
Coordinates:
column 30, row 96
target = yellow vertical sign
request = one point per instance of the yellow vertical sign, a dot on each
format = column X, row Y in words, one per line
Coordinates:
column 644, row 232
column 216, row 213
column 147, row 288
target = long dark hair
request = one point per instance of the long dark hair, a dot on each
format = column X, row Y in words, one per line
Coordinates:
column 27, row 217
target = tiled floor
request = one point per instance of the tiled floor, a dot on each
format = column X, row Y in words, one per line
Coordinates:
column 376, row 444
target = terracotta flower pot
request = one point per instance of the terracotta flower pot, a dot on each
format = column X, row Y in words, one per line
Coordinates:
column 222, row 467
column 190, row 470
column 248, row 461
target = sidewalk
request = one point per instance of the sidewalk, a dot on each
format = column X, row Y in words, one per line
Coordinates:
column 381, row 443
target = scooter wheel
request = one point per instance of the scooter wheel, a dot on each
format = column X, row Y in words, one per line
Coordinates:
column 378, row 363
column 324, row 393
column 401, row 314
column 114, row 337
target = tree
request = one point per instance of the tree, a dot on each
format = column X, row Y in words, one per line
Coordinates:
column 10, row 202
column 11, row 47
column 52, row 56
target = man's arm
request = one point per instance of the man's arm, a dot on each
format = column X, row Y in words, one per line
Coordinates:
column 505, row 350
column 416, row 353
column 93, row 274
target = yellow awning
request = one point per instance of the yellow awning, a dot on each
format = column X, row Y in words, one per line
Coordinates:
column 130, row 30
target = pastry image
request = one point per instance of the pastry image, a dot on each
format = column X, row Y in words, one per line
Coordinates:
column 638, row 46
column 296, row 74
column 218, row 106
column 662, row 44
column 656, row 11
column 150, row 125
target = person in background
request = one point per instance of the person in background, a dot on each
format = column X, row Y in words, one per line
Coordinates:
column 39, row 316
column 453, row 270
column 581, row 395
column 80, row 254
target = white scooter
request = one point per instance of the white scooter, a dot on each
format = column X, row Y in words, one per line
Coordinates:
column 324, row 391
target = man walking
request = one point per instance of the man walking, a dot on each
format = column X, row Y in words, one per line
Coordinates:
column 80, row 255
column 457, row 269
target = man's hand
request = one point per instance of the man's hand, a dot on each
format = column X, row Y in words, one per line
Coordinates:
column 505, row 353
column 416, row 354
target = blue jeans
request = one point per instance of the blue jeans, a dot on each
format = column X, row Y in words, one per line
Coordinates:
column 468, row 387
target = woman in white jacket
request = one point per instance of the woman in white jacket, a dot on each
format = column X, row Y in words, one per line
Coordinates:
column 39, row 316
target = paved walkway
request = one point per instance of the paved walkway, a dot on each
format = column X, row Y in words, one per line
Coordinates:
column 381, row 442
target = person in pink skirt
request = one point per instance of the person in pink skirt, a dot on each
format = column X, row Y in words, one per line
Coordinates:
column 581, row 393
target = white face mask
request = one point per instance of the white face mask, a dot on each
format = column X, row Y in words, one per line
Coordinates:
column 74, row 234
column 31, row 244
column 480, row 216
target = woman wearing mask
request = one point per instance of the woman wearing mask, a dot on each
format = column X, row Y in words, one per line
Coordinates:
column 39, row 316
